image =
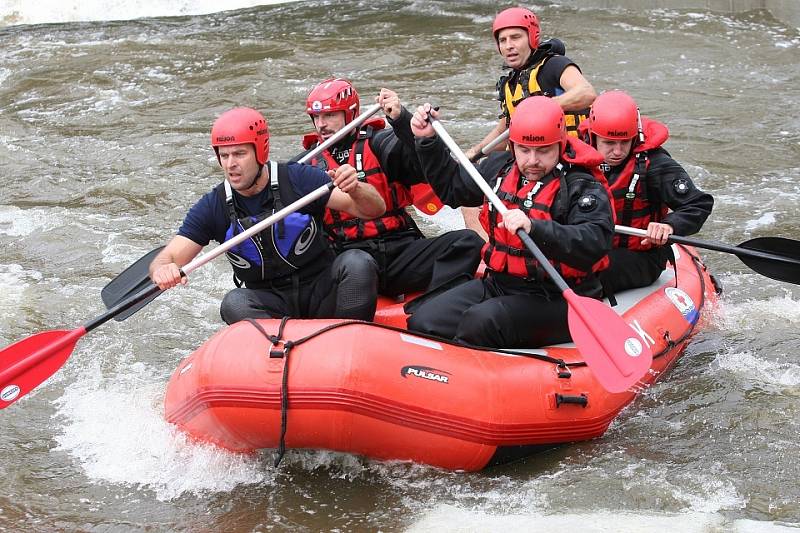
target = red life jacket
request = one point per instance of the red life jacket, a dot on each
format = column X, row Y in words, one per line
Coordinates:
column 545, row 199
column 345, row 227
column 629, row 188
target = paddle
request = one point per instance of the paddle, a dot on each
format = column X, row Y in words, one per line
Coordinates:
column 503, row 137
column 137, row 276
column 27, row 363
column 609, row 346
column 774, row 257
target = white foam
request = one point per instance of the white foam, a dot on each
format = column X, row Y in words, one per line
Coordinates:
column 57, row 11
column 17, row 222
column 781, row 377
column 454, row 519
column 755, row 314
column 114, row 428
column 116, row 252
column 14, row 279
column 8, row 143
column 767, row 219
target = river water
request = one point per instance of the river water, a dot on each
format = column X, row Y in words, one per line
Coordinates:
column 104, row 145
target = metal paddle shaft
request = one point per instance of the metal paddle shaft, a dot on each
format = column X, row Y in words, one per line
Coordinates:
column 610, row 347
column 27, row 363
column 774, row 257
column 503, row 137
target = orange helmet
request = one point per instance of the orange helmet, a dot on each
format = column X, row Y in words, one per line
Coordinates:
column 614, row 115
column 242, row 125
column 538, row 121
column 334, row 94
column 517, row 17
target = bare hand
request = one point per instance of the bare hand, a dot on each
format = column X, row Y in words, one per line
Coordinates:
column 515, row 219
column 389, row 102
column 658, row 233
column 420, row 122
column 345, row 177
column 167, row 276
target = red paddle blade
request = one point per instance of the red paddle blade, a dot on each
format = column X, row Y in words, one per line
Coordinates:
column 425, row 199
column 27, row 363
column 612, row 349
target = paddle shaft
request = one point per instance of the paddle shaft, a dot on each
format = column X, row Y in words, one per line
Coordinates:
column 141, row 278
column 289, row 209
column 609, row 346
column 201, row 260
column 489, row 147
column 56, row 346
column 213, row 254
column 341, row 134
column 495, row 201
column 718, row 247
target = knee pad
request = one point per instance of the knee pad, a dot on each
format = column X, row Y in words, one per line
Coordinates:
column 355, row 264
column 234, row 306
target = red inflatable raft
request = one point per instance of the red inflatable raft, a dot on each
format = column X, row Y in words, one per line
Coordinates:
column 379, row 391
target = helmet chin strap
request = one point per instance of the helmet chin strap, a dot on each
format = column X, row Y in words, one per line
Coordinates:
column 258, row 175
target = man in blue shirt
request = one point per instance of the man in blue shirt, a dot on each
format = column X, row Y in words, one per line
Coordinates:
column 285, row 269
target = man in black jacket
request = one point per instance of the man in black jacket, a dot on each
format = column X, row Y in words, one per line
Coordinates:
column 651, row 190
column 547, row 183
column 386, row 255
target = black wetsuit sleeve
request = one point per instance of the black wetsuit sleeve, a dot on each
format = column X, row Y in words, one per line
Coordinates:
column 396, row 152
column 585, row 234
column 452, row 184
column 690, row 206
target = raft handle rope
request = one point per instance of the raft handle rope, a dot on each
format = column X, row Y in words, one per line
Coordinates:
column 274, row 353
column 562, row 367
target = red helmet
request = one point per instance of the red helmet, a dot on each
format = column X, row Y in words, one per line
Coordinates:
column 517, row 17
column 242, row 125
column 614, row 115
column 538, row 121
column 334, row 94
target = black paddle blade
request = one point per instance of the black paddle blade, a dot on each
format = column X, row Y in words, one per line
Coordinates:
column 780, row 259
column 132, row 280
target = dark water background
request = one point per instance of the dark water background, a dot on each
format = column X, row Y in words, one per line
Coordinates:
column 104, row 145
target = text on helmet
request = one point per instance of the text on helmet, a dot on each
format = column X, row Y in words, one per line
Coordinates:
column 533, row 138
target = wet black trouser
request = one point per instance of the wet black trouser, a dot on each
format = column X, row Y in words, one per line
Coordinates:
column 629, row 269
column 311, row 297
column 403, row 265
column 499, row 311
